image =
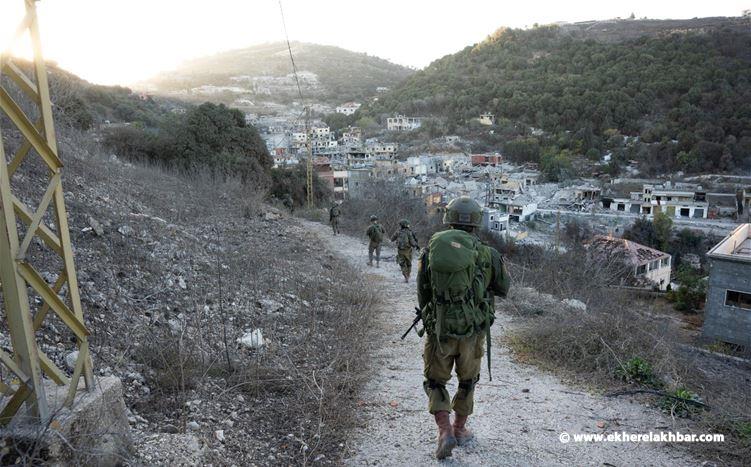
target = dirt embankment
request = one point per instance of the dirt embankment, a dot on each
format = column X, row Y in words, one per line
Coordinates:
column 175, row 276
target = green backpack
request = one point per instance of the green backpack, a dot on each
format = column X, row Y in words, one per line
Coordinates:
column 460, row 268
column 375, row 233
column 403, row 240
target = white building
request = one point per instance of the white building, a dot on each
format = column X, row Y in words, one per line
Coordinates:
column 402, row 123
column 348, row 108
column 520, row 209
column 648, row 264
column 494, row 221
column 487, row 119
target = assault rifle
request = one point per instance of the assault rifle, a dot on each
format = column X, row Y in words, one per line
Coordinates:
column 418, row 317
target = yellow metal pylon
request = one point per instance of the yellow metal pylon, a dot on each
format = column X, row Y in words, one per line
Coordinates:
column 19, row 226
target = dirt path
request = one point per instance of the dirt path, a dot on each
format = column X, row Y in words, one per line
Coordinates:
column 518, row 417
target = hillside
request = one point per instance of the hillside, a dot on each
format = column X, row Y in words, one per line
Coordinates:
column 682, row 90
column 83, row 105
column 264, row 72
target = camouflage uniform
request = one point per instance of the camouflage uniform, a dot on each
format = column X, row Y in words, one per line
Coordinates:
column 289, row 203
column 464, row 354
column 375, row 231
column 406, row 241
column 334, row 214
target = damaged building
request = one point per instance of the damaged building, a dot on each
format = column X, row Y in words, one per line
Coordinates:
column 649, row 266
column 727, row 313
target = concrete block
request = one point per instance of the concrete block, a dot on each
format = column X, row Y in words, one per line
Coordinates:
column 94, row 431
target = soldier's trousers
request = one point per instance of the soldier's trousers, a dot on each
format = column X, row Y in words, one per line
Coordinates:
column 374, row 247
column 463, row 354
column 404, row 260
column 335, row 225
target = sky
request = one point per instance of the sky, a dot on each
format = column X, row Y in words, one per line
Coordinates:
column 126, row 41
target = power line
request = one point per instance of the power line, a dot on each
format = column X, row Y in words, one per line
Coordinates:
column 309, row 169
column 289, row 48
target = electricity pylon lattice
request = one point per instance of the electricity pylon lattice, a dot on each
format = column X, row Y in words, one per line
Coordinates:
column 31, row 236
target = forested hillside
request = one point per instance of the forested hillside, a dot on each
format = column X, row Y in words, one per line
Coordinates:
column 684, row 94
column 83, row 105
column 340, row 74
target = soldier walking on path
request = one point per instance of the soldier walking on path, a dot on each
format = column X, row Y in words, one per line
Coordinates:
column 457, row 280
column 405, row 240
column 334, row 214
column 289, row 203
column 375, row 233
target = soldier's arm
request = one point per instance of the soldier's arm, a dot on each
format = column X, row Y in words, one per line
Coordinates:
column 393, row 237
column 414, row 239
column 500, row 282
column 424, row 293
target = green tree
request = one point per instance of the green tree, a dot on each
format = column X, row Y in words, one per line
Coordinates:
column 663, row 227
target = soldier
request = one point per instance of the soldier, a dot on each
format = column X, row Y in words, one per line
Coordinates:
column 334, row 214
column 457, row 280
column 405, row 240
column 289, row 203
column 375, row 233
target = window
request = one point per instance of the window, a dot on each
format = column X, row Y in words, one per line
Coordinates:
column 641, row 269
column 738, row 299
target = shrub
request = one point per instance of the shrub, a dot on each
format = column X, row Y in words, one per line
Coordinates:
column 639, row 371
column 680, row 403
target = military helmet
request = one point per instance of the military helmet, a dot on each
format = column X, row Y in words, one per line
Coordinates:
column 463, row 211
column 404, row 222
column 373, row 218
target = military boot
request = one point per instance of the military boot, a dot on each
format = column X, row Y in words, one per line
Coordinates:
column 461, row 432
column 446, row 439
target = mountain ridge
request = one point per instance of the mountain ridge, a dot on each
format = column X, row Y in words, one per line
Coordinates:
column 330, row 73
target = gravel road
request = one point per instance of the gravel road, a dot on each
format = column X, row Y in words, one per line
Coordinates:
column 518, row 417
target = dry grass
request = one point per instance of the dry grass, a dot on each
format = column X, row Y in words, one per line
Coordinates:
column 597, row 347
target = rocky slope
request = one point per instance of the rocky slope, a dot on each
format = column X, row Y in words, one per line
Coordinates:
column 234, row 333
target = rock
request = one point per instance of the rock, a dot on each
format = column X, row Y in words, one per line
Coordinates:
column 125, row 230
column 252, row 340
column 70, row 360
column 170, row 429
column 271, row 216
column 219, row 435
column 96, row 227
column 175, row 326
column 575, row 304
column 181, row 283
column 193, row 425
column 270, row 306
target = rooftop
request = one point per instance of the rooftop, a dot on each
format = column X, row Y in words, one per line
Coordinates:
column 736, row 246
column 636, row 253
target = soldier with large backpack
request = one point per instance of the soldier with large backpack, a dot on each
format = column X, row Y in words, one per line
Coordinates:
column 334, row 214
column 405, row 241
column 457, row 280
column 375, row 233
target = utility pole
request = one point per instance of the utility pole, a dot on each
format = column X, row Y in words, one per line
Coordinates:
column 20, row 226
column 557, row 229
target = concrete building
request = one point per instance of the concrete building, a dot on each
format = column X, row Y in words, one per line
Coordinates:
column 650, row 265
column 402, row 123
column 486, row 160
column 722, row 205
column 677, row 202
column 727, row 314
column 494, row 221
column 520, row 209
column 348, row 108
column 487, row 119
